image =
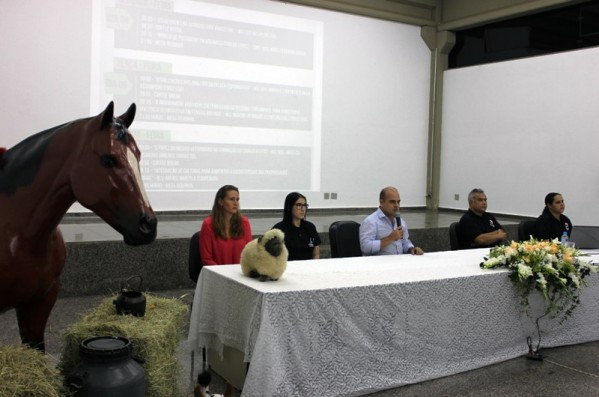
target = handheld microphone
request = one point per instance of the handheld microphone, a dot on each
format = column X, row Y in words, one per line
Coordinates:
column 398, row 219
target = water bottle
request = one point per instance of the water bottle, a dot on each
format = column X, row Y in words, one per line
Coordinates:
column 564, row 239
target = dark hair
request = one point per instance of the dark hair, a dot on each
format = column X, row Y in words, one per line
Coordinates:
column 383, row 193
column 549, row 200
column 289, row 202
column 474, row 192
column 218, row 216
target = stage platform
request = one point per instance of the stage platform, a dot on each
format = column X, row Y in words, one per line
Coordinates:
column 89, row 228
column 98, row 261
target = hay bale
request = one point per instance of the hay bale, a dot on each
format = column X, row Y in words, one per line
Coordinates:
column 155, row 339
column 27, row 372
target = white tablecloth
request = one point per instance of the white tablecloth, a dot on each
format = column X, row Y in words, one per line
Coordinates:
column 352, row 326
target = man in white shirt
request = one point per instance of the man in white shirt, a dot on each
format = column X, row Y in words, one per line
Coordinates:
column 379, row 232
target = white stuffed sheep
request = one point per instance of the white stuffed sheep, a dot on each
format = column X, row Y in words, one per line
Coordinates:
column 265, row 258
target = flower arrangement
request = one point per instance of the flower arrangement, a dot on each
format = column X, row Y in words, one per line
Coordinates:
column 556, row 270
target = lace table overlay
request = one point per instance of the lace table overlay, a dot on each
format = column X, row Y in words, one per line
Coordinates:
column 352, row 326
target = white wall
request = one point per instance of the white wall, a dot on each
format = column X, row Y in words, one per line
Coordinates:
column 371, row 132
column 45, row 67
column 522, row 129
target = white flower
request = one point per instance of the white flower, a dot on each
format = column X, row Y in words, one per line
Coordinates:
column 587, row 263
column 553, row 269
column 574, row 279
column 494, row 262
column 524, row 271
column 541, row 280
column 550, row 269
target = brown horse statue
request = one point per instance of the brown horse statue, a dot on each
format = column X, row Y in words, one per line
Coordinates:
column 94, row 161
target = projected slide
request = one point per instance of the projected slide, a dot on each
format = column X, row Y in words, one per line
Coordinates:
column 225, row 95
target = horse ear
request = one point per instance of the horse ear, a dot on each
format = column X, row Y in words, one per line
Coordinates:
column 129, row 115
column 107, row 115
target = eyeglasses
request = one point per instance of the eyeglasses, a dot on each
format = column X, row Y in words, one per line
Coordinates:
column 301, row 206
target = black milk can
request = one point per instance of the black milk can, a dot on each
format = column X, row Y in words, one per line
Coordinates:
column 107, row 369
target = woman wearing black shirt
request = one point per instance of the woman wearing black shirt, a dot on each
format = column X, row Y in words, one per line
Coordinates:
column 301, row 238
column 552, row 223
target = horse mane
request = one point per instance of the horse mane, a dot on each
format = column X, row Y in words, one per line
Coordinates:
column 20, row 164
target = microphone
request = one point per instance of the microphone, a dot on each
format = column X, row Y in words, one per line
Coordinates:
column 398, row 219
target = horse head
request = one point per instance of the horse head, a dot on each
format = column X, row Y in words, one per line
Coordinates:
column 107, row 180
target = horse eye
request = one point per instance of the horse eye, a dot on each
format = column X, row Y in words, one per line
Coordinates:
column 108, row 160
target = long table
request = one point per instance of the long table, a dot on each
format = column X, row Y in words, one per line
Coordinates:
column 353, row 326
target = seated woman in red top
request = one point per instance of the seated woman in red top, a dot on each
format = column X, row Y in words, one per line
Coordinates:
column 225, row 232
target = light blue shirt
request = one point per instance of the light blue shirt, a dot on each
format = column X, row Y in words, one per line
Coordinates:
column 376, row 227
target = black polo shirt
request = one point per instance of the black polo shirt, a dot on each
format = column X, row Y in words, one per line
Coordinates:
column 472, row 225
column 300, row 241
column 548, row 228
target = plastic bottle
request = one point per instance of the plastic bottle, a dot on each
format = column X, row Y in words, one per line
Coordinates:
column 564, row 238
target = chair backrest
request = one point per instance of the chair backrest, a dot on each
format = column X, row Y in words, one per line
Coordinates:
column 526, row 229
column 345, row 239
column 195, row 260
column 585, row 237
column 454, row 236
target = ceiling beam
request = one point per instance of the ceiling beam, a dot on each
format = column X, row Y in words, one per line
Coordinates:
column 413, row 12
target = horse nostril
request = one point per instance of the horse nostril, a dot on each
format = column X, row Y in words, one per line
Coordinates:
column 147, row 225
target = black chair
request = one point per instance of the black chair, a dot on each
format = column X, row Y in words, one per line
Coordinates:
column 195, row 260
column 195, row 266
column 526, row 229
column 345, row 239
column 585, row 237
column 454, row 236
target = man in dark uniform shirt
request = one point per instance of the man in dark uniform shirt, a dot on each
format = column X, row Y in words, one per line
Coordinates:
column 478, row 228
